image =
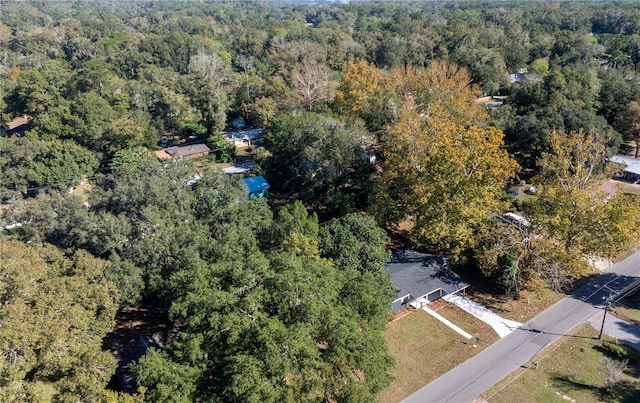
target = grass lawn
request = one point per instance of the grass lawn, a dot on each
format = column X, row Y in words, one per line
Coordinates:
column 424, row 348
column 628, row 314
column 202, row 163
column 571, row 370
column 82, row 191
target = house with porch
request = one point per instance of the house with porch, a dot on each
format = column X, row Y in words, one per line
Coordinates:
column 188, row 152
column 245, row 138
column 421, row 278
column 631, row 170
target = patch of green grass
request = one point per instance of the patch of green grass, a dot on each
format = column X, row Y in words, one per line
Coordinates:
column 628, row 314
column 208, row 162
column 572, row 369
column 628, row 308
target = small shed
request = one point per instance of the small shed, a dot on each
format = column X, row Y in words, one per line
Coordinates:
column 257, row 186
column 421, row 276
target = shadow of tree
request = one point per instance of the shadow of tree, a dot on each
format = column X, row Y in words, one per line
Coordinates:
column 568, row 384
column 623, row 391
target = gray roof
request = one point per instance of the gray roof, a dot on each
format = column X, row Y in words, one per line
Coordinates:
column 418, row 274
column 185, row 151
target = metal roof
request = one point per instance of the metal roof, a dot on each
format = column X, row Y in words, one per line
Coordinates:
column 252, row 134
column 632, row 164
column 256, row 184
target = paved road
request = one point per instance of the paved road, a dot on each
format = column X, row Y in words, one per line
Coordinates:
column 468, row 380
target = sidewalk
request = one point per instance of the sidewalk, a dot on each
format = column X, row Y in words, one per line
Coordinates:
column 623, row 331
column 423, row 302
column 502, row 326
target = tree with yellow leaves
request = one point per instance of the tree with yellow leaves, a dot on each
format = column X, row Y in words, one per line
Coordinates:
column 440, row 168
column 359, row 83
column 572, row 219
column 573, row 208
column 442, row 94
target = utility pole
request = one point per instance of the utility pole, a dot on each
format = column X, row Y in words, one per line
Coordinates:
column 604, row 316
column 606, row 308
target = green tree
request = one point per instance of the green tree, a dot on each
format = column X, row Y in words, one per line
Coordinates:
column 56, row 310
column 94, row 116
column 628, row 123
column 28, row 162
column 312, row 153
column 128, row 159
column 276, row 327
column 357, row 246
column 166, row 381
column 261, row 111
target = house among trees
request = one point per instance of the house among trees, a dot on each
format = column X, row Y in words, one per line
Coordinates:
column 162, row 155
column 188, row 152
column 523, row 76
column 245, row 138
column 18, row 126
column 420, row 277
column 257, row 187
column 631, row 171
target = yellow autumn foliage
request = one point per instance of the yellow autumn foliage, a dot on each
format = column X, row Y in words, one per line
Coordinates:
column 440, row 166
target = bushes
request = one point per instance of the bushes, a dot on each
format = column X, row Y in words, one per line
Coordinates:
column 620, row 351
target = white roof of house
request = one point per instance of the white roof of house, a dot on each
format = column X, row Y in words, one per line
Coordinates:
column 240, row 168
column 252, row 134
column 632, row 164
column 516, row 218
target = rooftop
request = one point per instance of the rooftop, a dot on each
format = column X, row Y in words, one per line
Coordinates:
column 252, row 134
column 162, row 155
column 256, row 184
column 240, row 168
column 418, row 274
column 633, row 165
column 185, row 151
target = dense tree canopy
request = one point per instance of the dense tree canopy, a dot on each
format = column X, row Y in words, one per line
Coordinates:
column 31, row 163
column 271, row 304
column 444, row 177
column 314, row 153
column 370, row 106
column 55, row 310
